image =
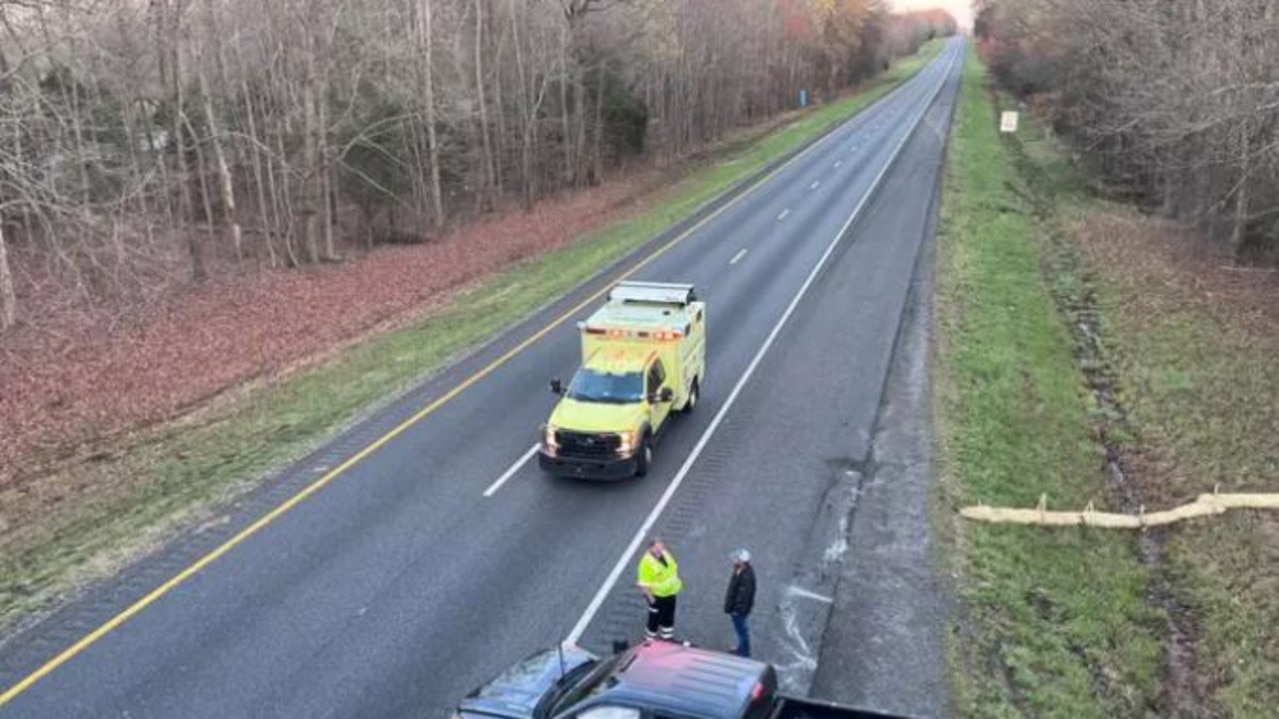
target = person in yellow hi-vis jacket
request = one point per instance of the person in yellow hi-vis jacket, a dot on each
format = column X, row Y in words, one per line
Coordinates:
column 660, row 583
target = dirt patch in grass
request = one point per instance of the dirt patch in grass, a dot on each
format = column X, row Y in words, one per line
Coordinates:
column 1200, row 353
column 1200, row 359
column 1171, row 262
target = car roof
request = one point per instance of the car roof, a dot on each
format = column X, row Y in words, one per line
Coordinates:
column 686, row 681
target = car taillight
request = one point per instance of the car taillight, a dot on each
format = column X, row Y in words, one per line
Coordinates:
column 757, row 692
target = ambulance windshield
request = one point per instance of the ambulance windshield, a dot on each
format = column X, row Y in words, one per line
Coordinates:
column 594, row 386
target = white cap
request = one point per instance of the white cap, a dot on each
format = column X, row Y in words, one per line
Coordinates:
column 741, row 555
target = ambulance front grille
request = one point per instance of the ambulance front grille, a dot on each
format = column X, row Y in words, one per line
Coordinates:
column 584, row 444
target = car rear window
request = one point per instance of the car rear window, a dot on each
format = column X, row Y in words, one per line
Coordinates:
column 609, row 711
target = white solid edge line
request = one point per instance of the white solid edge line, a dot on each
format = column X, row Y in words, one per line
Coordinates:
column 511, row 472
column 598, row 600
column 737, row 257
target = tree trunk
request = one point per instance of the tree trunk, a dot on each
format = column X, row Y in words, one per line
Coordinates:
column 432, row 142
column 225, row 186
column 1240, row 233
column 266, row 210
column 597, row 159
column 499, row 102
column 526, row 117
column 202, row 173
column 579, row 110
column 325, row 169
column 330, row 211
column 310, row 157
column 486, row 158
column 141, row 207
column 8, row 298
column 194, row 249
column 566, row 119
column 281, row 200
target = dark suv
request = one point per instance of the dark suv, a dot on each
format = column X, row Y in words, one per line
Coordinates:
column 655, row 680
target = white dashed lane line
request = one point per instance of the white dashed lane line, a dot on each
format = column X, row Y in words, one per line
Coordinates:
column 738, row 257
column 782, row 216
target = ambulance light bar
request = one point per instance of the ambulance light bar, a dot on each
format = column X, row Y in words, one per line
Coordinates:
column 660, row 335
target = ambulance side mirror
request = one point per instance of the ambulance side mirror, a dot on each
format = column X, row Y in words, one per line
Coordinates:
column 666, row 395
column 557, row 387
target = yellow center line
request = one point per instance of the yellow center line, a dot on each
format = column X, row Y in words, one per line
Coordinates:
column 114, row 622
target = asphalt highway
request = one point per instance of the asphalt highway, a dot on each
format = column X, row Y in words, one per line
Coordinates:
column 438, row 556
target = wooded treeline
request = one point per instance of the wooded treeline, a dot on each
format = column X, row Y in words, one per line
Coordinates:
column 143, row 140
column 1173, row 101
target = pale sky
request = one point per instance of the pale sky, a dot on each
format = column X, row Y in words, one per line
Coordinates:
column 961, row 9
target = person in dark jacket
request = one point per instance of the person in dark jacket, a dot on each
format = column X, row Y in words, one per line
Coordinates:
column 739, row 600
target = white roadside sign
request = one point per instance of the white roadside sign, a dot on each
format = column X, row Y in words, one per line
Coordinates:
column 1008, row 121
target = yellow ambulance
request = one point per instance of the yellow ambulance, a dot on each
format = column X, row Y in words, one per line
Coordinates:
column 643, row 360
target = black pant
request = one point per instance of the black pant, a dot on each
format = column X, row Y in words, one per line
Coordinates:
column 661, row 618
column 743, row 635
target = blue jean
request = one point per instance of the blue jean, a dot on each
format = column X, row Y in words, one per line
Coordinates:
column 743, row 634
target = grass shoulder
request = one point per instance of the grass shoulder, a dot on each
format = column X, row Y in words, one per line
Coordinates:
column 1190, row 341
column 1054, row 623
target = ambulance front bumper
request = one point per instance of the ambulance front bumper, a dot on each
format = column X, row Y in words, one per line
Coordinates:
column 588, row 467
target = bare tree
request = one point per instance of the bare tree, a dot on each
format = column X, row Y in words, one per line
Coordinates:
column 226, row 134
column 1175, row 102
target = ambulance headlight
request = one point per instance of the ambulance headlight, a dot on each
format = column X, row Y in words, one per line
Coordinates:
column 548, row 438
column 626, row 444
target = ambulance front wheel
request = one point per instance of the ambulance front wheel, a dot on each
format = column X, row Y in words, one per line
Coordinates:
column 644, row 457
column 694, row 394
